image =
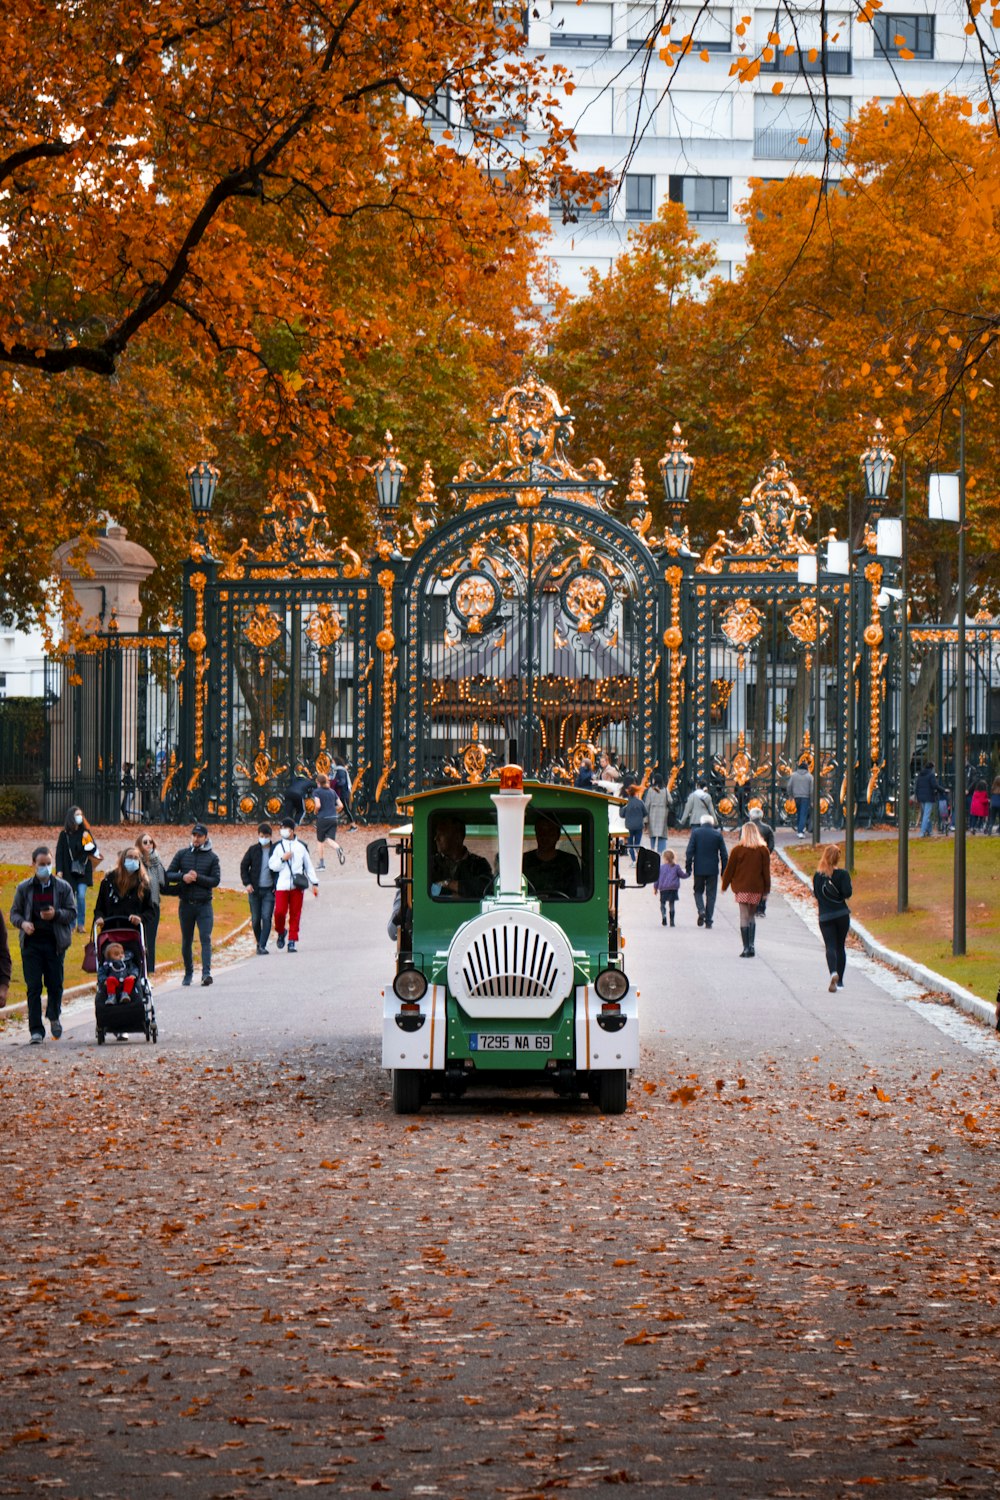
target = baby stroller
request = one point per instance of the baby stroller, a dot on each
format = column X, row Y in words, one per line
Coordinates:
column 134, row 1013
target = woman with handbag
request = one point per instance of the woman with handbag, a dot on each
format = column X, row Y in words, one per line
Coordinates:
column 157, row 877
column 293, row 875
column 832, row 889
column 76, row 855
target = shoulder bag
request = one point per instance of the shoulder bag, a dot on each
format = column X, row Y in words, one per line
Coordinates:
column 832, row 893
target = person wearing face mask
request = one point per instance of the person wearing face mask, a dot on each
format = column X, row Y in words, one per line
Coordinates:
column 293, row 875
column 76, row 855
column 193, row 874
column 44, row 912
column 258, row 882
column 157, row 876
column 124, row 895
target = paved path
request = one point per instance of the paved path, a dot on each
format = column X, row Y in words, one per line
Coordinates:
column 231, row 1271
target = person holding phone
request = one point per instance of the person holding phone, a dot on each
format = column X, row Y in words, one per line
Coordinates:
column 44, row 912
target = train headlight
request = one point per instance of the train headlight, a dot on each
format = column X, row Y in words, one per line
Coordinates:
column 409, row 985
column 611, row 984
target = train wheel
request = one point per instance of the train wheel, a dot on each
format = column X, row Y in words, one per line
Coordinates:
column 406, row 1091
column 612, row 1093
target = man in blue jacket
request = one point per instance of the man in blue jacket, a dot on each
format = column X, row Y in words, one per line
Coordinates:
column 705, row 858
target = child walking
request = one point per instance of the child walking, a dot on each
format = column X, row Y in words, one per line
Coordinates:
column 668, row 885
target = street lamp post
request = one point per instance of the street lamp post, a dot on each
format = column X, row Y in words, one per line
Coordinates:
column 946, row 502
column 202, row 479
column 876, row 465
column 838, row 561
column 389, row 473
column 891, row 543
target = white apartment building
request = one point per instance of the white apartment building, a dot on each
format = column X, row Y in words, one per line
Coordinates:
column 702, row 138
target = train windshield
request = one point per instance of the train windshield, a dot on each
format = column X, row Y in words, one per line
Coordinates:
column 557, row 858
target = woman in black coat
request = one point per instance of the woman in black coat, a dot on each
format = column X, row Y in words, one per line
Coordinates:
column 124, row 896
column 76, row 855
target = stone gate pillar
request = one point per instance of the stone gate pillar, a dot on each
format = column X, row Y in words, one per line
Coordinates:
column 94, row 729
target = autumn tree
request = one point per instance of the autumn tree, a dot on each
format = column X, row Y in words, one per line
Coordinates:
column 238, row 198
column 851, row 303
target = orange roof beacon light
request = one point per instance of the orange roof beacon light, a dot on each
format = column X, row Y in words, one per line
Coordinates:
column 511, row 779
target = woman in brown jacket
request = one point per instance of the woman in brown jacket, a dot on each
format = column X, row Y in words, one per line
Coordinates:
column 748, row 875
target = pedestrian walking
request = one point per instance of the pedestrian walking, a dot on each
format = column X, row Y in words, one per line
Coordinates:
column 585, row 776
column 929, row 792
column 658, row 805
column 294, row 807
column 294, row 874
column 6, row 967
column 995, row 806
column 634, row 818
column 832, row 889
column 767, row 834
column 157, row 877
column 44, row 912
column 327, row 813
column 192, row 875
column 979, row 808
column 76, row 855
column 258, row 882
column 123, row 895
column 800, row 789
column 341, row 782
column 705, row 857
column 128, row 792
column 748, row 876
column 698, row 803
column 668, row 885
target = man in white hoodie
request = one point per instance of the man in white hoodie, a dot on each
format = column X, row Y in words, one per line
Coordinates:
column 293, row 875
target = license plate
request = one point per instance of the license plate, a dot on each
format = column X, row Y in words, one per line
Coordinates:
column 509, row 1041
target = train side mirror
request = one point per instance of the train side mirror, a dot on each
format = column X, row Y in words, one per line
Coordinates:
column 377, row 856
column 647, row 866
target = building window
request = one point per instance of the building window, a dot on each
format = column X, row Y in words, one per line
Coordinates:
column 705, row 198
column 638, row 196
column 895, row 34
column 573, row 210
column 586, row 25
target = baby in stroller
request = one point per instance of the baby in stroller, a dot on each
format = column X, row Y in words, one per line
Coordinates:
column 116, row 975
column 123, row 1001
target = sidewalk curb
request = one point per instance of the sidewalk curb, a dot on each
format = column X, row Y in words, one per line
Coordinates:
column 169, row 971
column 983, row 1010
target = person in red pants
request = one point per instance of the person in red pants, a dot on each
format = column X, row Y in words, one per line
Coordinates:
column 293, row 875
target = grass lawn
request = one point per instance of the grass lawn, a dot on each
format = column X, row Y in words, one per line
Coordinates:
column 924, row 932
column 230, row 911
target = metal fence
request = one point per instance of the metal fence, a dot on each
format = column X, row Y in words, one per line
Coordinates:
column 113, row 729
column 22, row 741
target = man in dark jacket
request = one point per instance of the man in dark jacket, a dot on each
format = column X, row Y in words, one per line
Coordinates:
column 705, row 858
column 929, row 791
column 44, row 911
column 193, row 874
column 258, row 882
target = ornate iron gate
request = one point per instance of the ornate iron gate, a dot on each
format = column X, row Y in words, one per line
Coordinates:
column 752, row 626
column 530, row 618
column 279, row 657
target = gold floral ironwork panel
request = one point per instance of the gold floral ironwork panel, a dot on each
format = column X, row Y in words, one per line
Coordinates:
column 262, row 630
